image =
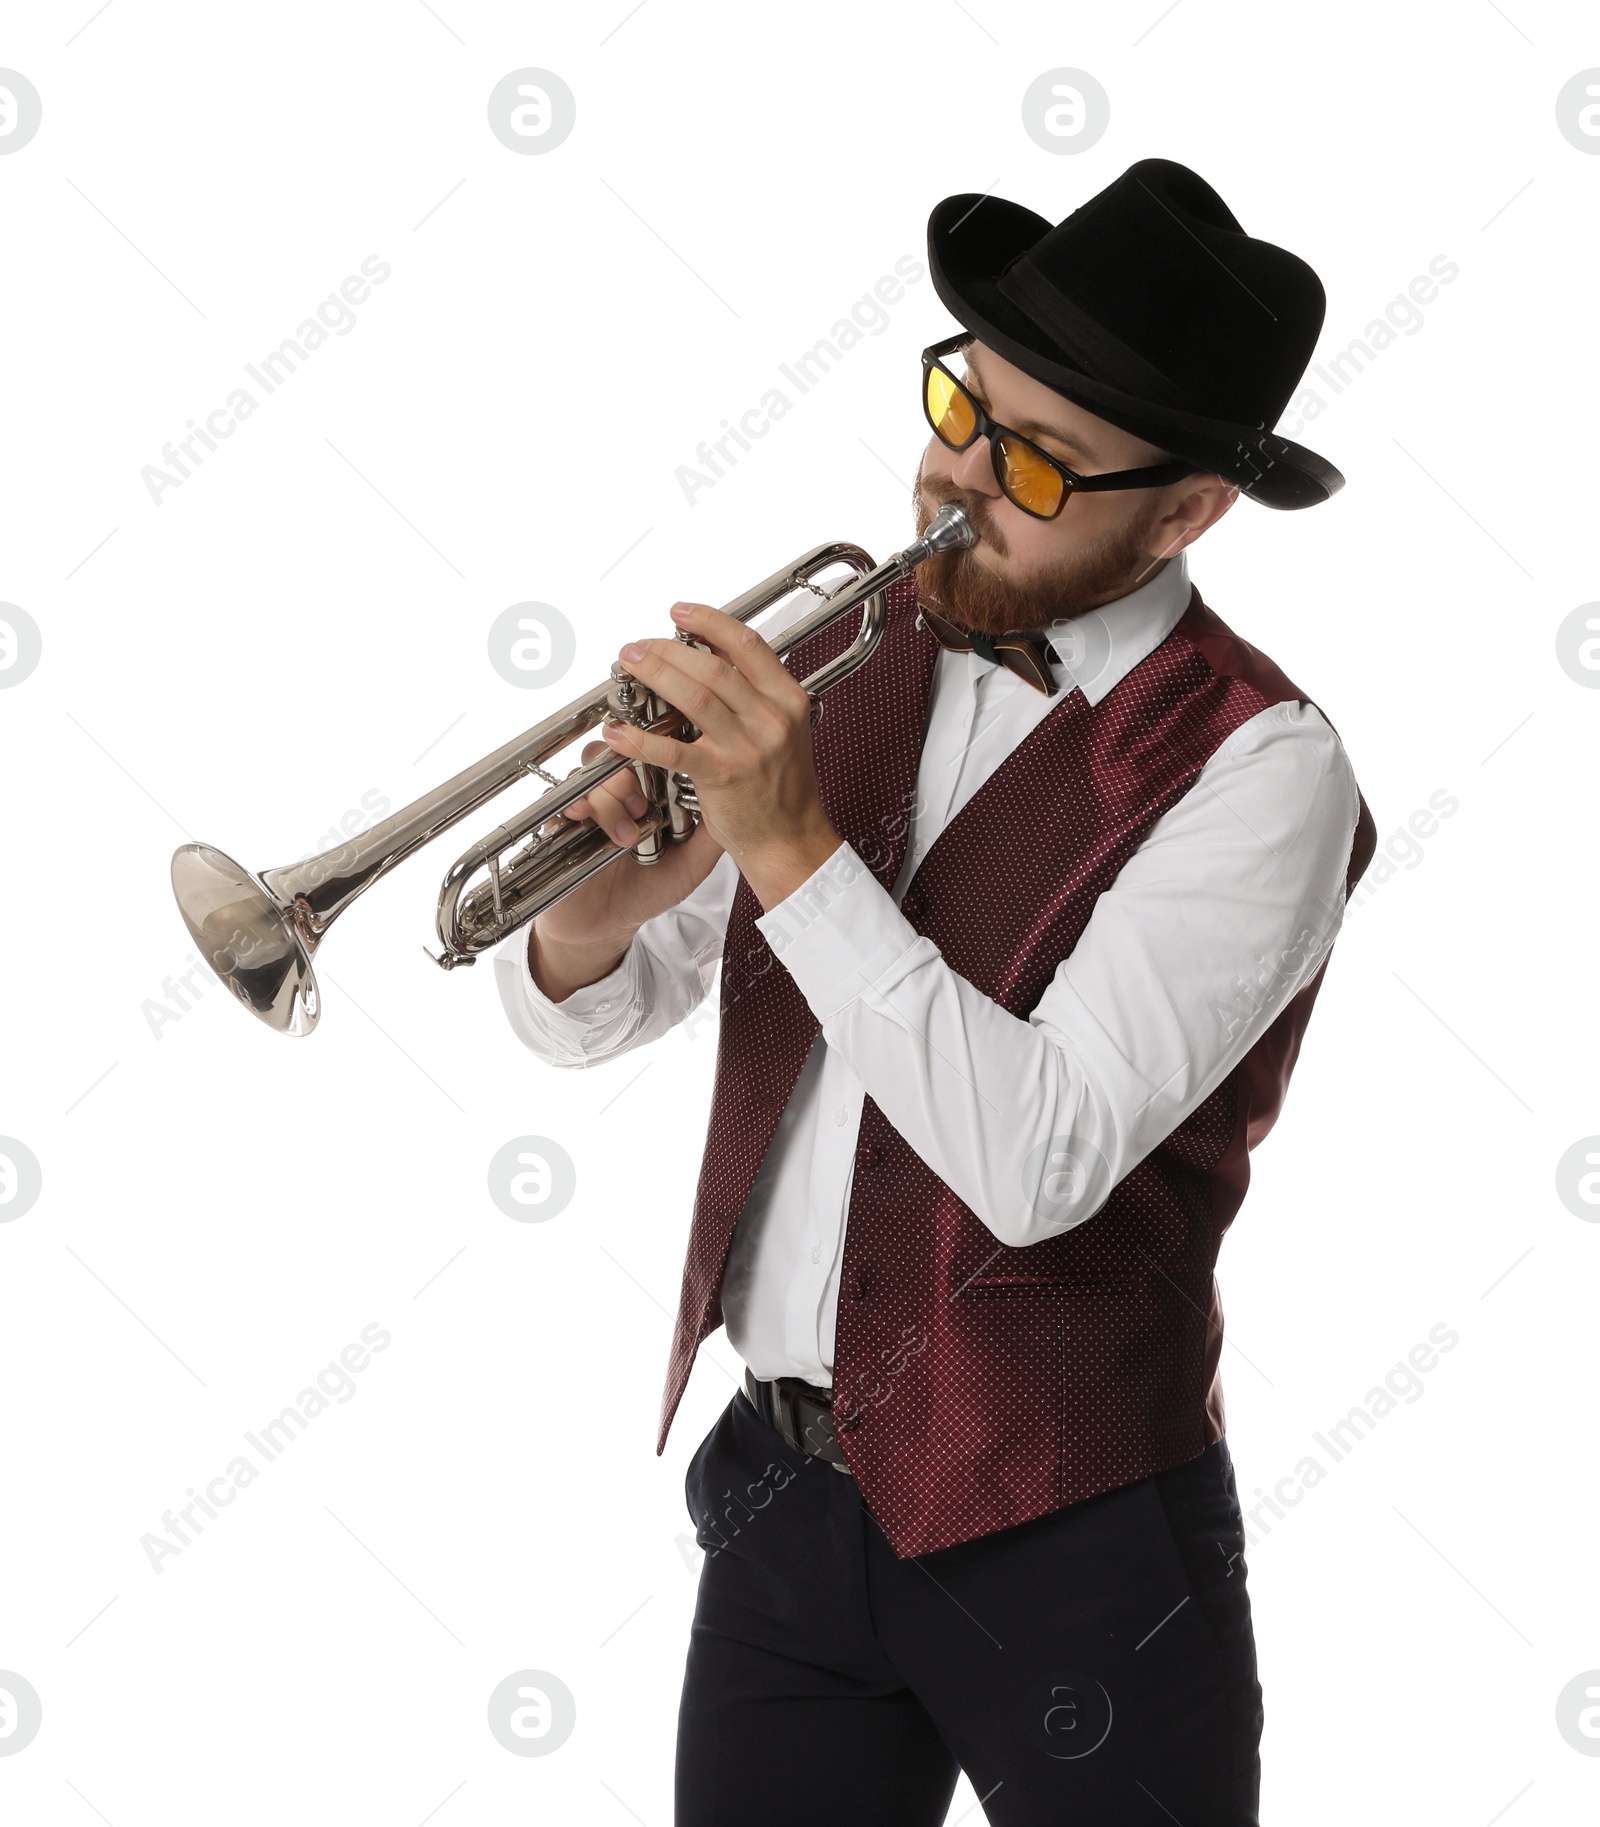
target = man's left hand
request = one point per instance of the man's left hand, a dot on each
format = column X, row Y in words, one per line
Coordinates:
column 752, row 764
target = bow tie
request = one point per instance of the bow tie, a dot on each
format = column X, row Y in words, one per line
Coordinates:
column 1025, row 651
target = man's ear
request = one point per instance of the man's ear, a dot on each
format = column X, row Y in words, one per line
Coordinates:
column 1198, row 502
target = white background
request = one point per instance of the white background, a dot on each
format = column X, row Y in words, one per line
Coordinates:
column 303, row 621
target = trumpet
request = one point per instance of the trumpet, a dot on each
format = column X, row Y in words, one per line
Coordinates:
column 258, row 932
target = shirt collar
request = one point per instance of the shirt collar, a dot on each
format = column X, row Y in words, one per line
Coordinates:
column 1100, row 648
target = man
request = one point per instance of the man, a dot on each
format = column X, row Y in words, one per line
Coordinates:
column 1017, row 949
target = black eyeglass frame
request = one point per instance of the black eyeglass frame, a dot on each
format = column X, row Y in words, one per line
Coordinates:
column 1152, row 476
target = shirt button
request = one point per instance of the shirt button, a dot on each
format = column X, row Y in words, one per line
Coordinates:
column 601, row 1007
column 839, row 1115
column 816, row 1252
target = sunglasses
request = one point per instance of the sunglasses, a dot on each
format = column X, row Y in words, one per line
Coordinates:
column 1029, row 478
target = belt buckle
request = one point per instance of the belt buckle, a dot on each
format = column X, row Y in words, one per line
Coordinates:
column 808, row 1438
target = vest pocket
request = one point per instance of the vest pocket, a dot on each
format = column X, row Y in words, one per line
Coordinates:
column 1053, row 1281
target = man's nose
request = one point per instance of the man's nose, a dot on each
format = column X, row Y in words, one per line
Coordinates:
column 974, row 469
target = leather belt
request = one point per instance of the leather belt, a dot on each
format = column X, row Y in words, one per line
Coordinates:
column 802, row 1412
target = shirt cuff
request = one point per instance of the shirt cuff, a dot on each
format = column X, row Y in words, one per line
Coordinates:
column 605, row 996
column 837, row 933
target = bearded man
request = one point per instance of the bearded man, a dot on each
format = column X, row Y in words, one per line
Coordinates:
column 1018, row 947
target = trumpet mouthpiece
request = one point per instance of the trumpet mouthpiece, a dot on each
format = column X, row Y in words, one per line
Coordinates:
column 948, row 530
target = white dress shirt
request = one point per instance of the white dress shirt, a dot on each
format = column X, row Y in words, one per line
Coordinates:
column 1224, row 910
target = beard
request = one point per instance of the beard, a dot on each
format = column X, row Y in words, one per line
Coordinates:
column 969, row 594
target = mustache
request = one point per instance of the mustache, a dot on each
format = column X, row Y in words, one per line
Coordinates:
column 975, row 509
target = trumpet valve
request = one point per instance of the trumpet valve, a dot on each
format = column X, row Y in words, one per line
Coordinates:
column 683, row 807
column 627, row 696
column 652, row 784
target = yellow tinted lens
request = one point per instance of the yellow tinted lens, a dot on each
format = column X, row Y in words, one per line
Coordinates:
column 949, row 409
column 1029, row 481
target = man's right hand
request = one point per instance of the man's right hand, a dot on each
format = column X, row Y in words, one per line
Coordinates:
column 585, row 934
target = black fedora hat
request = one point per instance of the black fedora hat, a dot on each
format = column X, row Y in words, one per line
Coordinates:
column 1151, row 307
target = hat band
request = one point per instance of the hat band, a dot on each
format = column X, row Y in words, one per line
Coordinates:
column 1088, row 344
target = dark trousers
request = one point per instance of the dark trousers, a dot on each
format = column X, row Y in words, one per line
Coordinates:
column 1095, row 1667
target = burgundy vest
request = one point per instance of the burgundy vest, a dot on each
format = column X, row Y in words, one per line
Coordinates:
column 975, row 1385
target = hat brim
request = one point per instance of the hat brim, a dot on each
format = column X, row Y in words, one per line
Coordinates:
column 972, row 237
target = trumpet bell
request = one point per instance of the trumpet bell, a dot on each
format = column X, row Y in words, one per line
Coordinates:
column 247, row 938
